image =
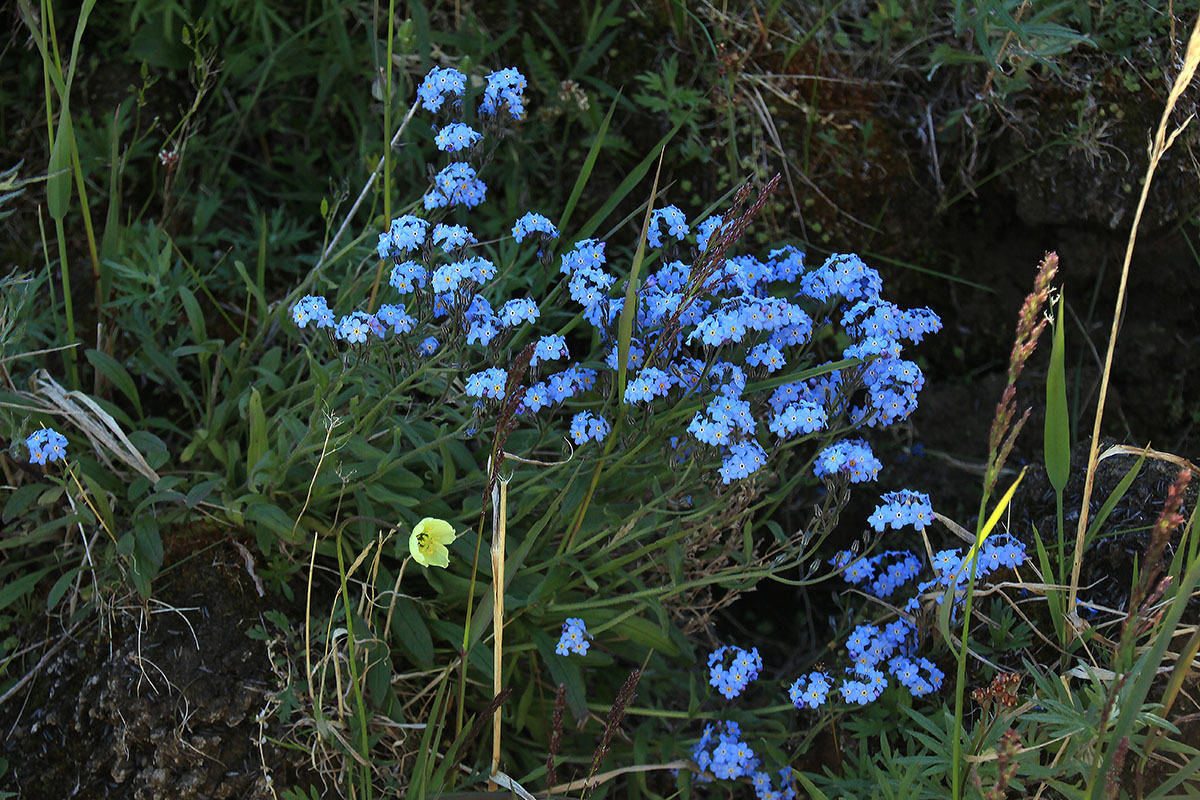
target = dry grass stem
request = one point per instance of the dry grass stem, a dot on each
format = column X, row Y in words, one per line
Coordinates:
column 1162, row 142
column 499, row 512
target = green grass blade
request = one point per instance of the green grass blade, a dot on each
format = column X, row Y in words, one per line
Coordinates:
column 1058, row 423
column 115, row 372
column 626, row 186
column 1111, row 501
column 585, row 172
column 625, row 325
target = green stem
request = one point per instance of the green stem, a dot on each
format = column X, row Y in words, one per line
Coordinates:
column 69, row 354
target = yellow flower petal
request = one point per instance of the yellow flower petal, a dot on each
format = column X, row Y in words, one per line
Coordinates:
column 428, row 541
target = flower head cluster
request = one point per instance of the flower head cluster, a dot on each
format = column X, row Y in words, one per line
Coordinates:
column 456, row 183
column 46, row 445
column 722, row 752
column 811, row 690
column 455, row 137
column 851, row 458
column 901, row 509
column 312, row 309
column 574, row 639
column 505, row 87
column 803, row 417
column 953, row 567
column 587, row 427
column 440, row 84
column 920, row 676
column 669, row 219
column 357, row 326
column 490, row 383
column 405, row 234
column 744, row 666
column 706, row 229
column 532, row 222
column 394, row 317
column 883, row 573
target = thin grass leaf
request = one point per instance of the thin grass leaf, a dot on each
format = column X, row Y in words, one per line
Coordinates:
column 626, row 186
column 625, row 324
column 1111, row 501
column 585, row 172
column 1057, row 442
column 1053, row 596
column 117, row 374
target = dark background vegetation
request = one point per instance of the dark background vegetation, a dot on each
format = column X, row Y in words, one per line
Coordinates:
column 949, row 144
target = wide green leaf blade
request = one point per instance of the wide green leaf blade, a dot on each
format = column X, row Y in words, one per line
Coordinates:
column 1058, row 422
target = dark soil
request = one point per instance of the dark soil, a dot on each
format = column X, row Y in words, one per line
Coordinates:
column 164, row 708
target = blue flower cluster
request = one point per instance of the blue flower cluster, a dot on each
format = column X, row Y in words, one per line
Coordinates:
column 852, row 458
column 312, row 309
column 706, row 328
column 574, row 639
column 811, row 690
column 46, row 445
column 877, row 652
column 456, row 137
column 505, row 88
column 901, row 509
column 953, row 567
column 874, row 653
column 732, row 680
column 587, row 427
column 531, row 223
column 440, row 84
column 703, row 332
column 722, row 752
column 433, row 269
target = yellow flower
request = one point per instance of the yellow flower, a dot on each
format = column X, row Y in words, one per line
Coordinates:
column 428, row 542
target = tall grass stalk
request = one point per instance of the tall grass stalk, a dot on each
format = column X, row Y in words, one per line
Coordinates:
column 1162, row 142
column 1005, row 429
column 499, row 519
column 64, row 156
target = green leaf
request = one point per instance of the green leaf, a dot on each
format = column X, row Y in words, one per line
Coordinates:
column 626, row 186
column 271, row 519
column 411, row 634
column 1057, row 443
column 1111, row 501
column 257, row 446
column 1053, row 596
column 625, row 324
column 647, row 633
column 117, row 374
column 200, row 491
column 58, row 184
column 12, row 592
column 585, row 172
column 60, row 587
column 100, row 499
column 20, row 500
column 564, row 670
column 148, row 543
column 252, row 289
column 810, row 787
column 147, row 554
column 195, row 316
